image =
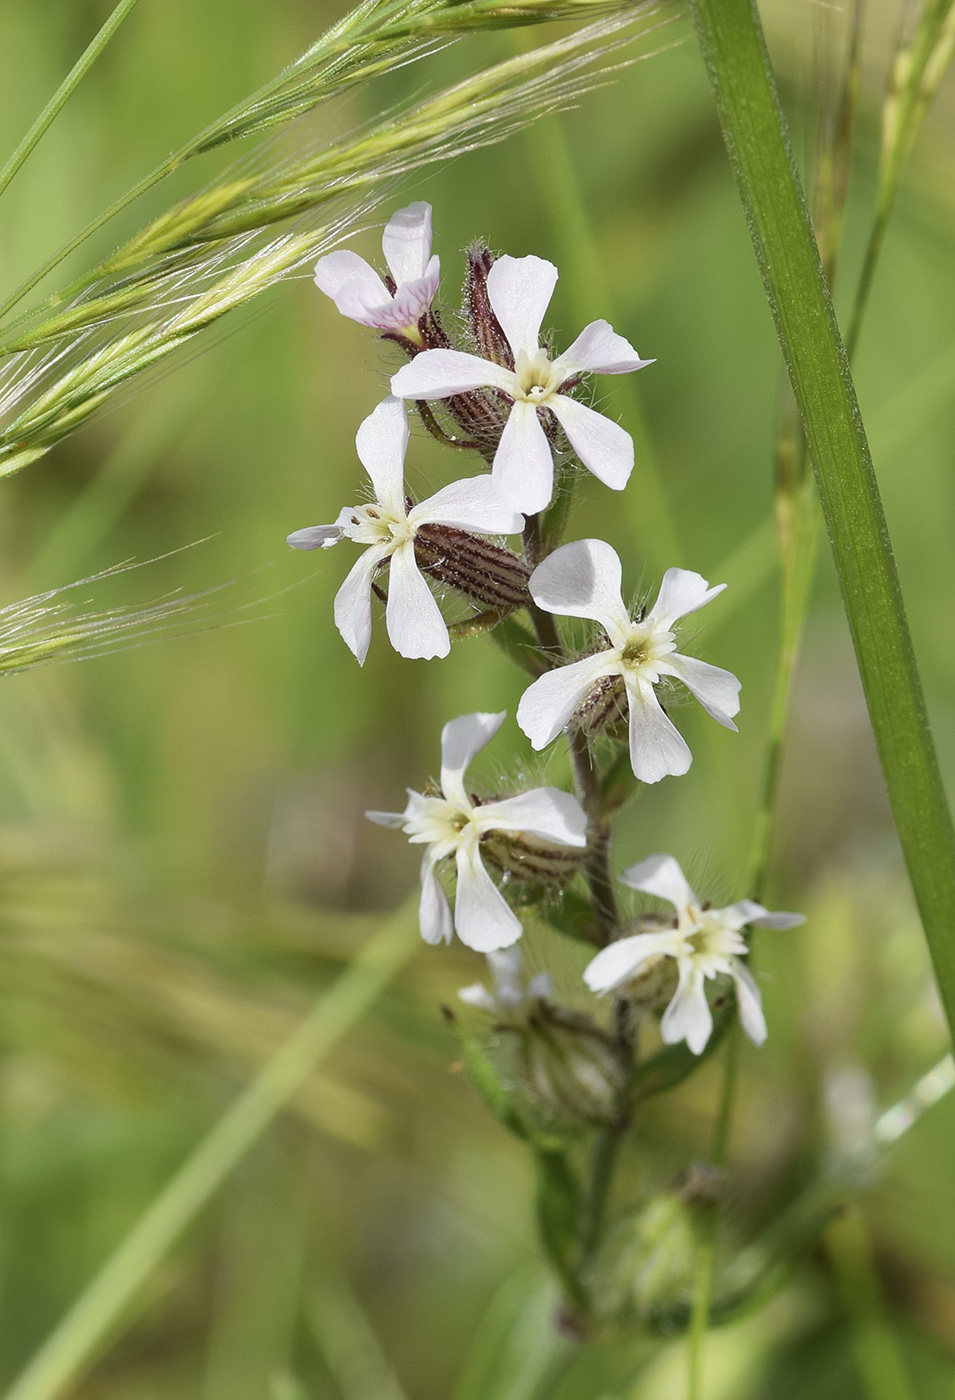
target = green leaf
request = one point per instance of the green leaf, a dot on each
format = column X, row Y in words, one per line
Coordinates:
column 733, row 47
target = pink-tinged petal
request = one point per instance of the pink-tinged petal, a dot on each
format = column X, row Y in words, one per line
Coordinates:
column 523, row 468
column 749, row 1002
column 657, row 749
column 602, row 445
column 353, row 603
column 412, row 299
column 545, row 812
column 748, row 912
column 661, row 876
column 716, row 690
column 415, row 625
column 477, row 995
column 406, row 241
column 461, row 739
column 547, row 706
column 618, row 962
column 395, row 820
column 482, row 917
column 342, row 268
column 599, row 350
column 688, row 1016
column 315, row 537
column 381, row 444
column 434, row 911
column 682, row 592
column 583, row 579
column 437, row 374
column 361, row 302
column 472, row 504
column 519, row 290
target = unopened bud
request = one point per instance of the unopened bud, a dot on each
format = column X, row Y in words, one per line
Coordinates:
column 483, row 571
column 645, row 1264
column 572, row 1070
column 489, row 338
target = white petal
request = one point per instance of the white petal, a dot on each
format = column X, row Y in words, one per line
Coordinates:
column 339, row 269
column 660, row 875
column 461, row 739
column 717, row 690
column 545, row 812
column 749, row 1002
column 599, row 350
column 437, row 374
column 657, row 749
column 583, row 579
column 471, row 504
column 747, row 912
column 315, row 537
column 682, row 592
column 368, row 305
column 688, row 1016
column 353, row 603
column 602, row 445
column 381, row 444
column 434, row 912
column 412, row 299
column 478, row 995
column 505, row 968
column 523, row 468
column 406, row 241
column 540, row 986
column 392, row 819
column 618, row 962
column 519, row 290
column 482, row 917
column 547, row 706
column 415, row 625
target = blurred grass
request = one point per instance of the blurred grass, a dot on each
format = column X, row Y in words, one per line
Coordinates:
column 183, row 856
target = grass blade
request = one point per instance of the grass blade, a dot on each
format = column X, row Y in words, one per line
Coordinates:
column 94, row 1315
column 735, row 53
column 63, row 93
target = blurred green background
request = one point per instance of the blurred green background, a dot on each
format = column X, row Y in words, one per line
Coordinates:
column 184, row 859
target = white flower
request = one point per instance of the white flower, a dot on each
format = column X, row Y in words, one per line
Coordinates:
column 450, row 824
column 359, row 292
column 388, row 529
column 509, row 994
column 583, row 579
column 704, row 943
column 519, row 290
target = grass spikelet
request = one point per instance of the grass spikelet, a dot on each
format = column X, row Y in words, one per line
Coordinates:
column 52, row 626
column 211, row 253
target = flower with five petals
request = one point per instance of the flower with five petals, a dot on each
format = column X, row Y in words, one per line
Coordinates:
column 583, row 579
column 704, row 943
column 387, row 527
column 519, row 290
column 359, row 292
column 451, row 824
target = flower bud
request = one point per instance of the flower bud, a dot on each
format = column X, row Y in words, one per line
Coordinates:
column 645, row 1264
column 572, row 1070
column 489, row 338
column 483, row 571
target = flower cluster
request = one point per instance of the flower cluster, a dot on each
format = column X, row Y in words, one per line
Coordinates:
column 500, row 389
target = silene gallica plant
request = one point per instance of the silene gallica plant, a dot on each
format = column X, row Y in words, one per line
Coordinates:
column 556, row 1074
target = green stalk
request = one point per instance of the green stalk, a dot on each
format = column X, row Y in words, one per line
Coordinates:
column 105, row 1301
column 63, row 93
column 874, row 1344
column 732, row 43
